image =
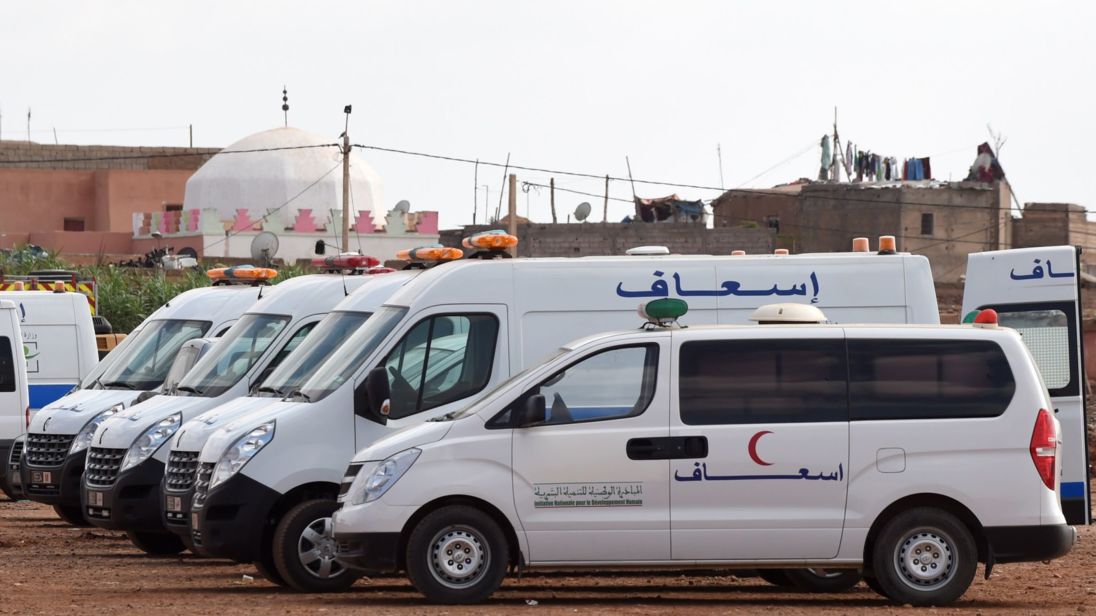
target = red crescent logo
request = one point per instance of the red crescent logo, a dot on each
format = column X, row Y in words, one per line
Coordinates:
column 753, row 448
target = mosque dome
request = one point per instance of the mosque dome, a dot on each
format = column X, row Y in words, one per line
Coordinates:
column 260, row 181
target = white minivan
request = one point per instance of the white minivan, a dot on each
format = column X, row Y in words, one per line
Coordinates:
column 14, row 393
column 126, row 457
column 60, row 433
column 268, row 480
column 912, row 452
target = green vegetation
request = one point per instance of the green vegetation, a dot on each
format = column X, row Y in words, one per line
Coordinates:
column 126, row 294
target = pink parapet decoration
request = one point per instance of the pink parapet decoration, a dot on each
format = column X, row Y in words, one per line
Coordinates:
column 192, row 220
column 364, row 223
column 170, row 222
column 165, row 222
column 242, row 221
column 427, row 223
column 304, row 221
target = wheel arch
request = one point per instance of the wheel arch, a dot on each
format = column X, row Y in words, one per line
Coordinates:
column 496, row 514
column 938, row 501
column 294, row 497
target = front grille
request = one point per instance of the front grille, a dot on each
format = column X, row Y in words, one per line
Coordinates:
column 181, row 471
column 201, row 483
column 102, row 466
column 16, row 452
column 48, row 449
column 351, row 472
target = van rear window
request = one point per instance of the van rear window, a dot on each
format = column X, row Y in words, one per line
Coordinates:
column 928, row 379
column 762, row 381
column 7, row 365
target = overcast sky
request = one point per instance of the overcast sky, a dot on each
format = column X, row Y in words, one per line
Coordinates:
column 573, row 86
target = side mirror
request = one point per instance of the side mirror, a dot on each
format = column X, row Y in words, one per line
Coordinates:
column 532, row 412
column 371, row 398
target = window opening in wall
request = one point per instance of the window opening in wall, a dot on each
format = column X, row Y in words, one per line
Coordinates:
column 74, row 224
column 926, row 224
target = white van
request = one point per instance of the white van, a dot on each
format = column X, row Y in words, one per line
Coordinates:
column 14, row 393
column 268, row 480
column 913, row 452
column 59, row 434
column 58, row 340
column 125, row 462
column 1037, row 292
column 325, row 341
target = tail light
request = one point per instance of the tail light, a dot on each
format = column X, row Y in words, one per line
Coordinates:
column 1044, row 447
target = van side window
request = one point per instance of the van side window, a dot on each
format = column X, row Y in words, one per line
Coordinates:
column 442, row 359
column 611, row 384
column 1047, row 332
column 928, row 379
column 762, row 381
column 7, row 365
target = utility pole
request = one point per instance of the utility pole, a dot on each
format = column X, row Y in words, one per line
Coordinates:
column 346, row 182
column 719, row 155
column 605, row 209
column 552, row 197
column 190, row 130
column 513, row 214
column 475, row 191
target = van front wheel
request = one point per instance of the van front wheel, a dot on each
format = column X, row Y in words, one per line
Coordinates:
column 823, row 580
column 924, row 556
column 304, row 549
column 457, row 554
column 156, row 544
column 72, row 515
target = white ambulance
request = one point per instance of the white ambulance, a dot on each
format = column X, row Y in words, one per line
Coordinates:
column 268, row 480
column 14, row 393
column 126, row 457
column 912, row 452
column 60, row 433
column 326, row 340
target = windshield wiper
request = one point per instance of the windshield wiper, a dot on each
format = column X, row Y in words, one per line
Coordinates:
column 265, row 389
column 188, row 388
column 296, row 393
column 121, row 384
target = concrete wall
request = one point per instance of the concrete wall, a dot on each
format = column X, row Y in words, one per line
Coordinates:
column 1053, row 224
column 736, row 208
column 586, row 239
column 18, row 154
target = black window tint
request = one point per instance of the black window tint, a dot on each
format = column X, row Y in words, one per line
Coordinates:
column 928, row 379
column 762, row 381
column 7, row 365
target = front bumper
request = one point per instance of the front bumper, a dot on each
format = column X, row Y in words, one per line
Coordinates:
column 234, row 519
column 369, row 552
column 132, row 503
column 1011, row 544
column 176, row 516
column 63, row 485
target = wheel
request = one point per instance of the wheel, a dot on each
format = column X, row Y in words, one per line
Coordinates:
column 874, row 585
column 924, row 556
column 303, row 549
column 72, row 515
column 156, row 544
column 823, row 580
column 776, row 577
column 5, row 487
column 268, row 570
column 457, row 554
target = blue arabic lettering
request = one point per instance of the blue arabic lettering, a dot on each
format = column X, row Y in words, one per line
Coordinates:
column 1037, row 272
column 700, row 473
column 1051, row 273
column 660, row 288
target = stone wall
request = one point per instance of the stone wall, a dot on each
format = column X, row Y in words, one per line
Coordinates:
column 22, row 154
column 590, row 239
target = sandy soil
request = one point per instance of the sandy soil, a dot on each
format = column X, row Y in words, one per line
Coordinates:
column 48, row 567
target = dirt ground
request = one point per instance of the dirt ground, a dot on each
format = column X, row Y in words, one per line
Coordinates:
column 48, row 567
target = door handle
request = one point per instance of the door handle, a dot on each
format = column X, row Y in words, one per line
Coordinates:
column 668, row 448
column 643, row 449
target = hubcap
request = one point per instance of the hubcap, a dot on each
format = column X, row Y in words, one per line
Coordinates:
column 458, row 556
column 316, row 550
column 925, row 560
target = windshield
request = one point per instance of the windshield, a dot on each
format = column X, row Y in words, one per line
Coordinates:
column 146, row 360
column 337, row 370
column 494, row 392
column 330, row 335
column 91, row 381
column 235, row 353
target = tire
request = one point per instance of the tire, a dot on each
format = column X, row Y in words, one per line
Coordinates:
column 72, row 515
column 457, row 528
column 823, row 580
column 267, row 569
column 776, row 577
column 5, row 487
column 939, row 576
column 303, row 550
column 156, row 544
column 874, row 585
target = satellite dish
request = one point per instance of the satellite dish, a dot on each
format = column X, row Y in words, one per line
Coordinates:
column 403, row 206
column 264, row 247
column 582, row 212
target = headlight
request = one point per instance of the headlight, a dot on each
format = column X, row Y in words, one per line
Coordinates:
column 371, row 486
column 83, row 439
column 240, row 452
column 150, row 441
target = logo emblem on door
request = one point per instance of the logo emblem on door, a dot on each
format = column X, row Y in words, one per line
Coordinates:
column 752, row 448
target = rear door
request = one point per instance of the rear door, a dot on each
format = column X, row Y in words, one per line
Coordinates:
column 13, row 379
column 1037, row 292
